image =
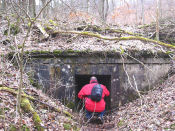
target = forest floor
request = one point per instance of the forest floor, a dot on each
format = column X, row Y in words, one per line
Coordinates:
column 153, row 111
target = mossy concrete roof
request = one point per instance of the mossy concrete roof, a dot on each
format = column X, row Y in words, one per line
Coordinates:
column 76, row 44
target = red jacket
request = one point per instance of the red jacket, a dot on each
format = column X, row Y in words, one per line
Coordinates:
column 90, row 105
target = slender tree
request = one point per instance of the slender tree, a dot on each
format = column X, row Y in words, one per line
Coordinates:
column 32, row 8
column 143, row 12
column 157, row 19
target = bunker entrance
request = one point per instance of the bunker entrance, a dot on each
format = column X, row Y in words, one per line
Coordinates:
column 81, row 80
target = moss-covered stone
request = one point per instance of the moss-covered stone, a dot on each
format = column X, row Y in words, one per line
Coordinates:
column 25, row 104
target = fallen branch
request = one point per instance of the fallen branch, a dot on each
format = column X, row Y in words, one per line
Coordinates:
column 123, row 32
column 12, row 91
column 117, row 38
column 95, row 28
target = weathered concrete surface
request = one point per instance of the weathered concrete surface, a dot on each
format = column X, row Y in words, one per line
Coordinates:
column 126, row 74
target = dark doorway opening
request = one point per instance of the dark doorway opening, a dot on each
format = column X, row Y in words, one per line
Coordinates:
column 81, row 80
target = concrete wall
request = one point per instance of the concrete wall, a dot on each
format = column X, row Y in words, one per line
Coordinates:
column 50, row 72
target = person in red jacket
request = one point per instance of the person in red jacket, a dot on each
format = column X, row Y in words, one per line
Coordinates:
column 90, row 105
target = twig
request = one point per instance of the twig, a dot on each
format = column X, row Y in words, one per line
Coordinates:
column 126, row 72
column 137, row 89
column 22, row 10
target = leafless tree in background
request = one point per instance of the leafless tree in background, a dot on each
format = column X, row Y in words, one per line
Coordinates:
column 114, row 12
column 143, row 14
column 157, row 19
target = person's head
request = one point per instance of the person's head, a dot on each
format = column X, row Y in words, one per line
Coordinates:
column 93, row 79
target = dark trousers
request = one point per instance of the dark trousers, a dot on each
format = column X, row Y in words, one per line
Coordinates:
column 89, row 114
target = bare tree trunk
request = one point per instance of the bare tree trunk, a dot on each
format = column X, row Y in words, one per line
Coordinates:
column 32, row 8
column 160, row 8
column 136, row 11
column 3, row 5
column 44, row 13
column 103, row 10
column 143, row 12
column 106, row 10
column 87, row 6
column 157, row 19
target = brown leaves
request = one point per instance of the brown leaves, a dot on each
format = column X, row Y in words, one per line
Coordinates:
column 157, row 111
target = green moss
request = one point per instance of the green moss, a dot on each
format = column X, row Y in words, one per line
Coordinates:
column 29, row 24
column 93, row 28
column 33, row 19
column 57, row 52
column 19, row 46
column 91, row 34
column 13, row 15
column 1, row 111
column 143, row 26
column 8, row 90
column 48, row 28
column 33, row 82
column 172, row 126
column 35, row 51
column 25, row 104
column 12, row 47
column 14, row 29
column 67, row 126
column 71, row 105
column 37, row 121
column 12, row 128
column 25, row 128
column 44, row 52
column 169, row 52
column 67, row 114
column 120, row 123
column 70, row 51
column 52, row 22
column 12, row 91
column 75, row 128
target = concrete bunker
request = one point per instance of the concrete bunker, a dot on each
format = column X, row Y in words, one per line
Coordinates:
column 73, row 70
column 81, row 80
